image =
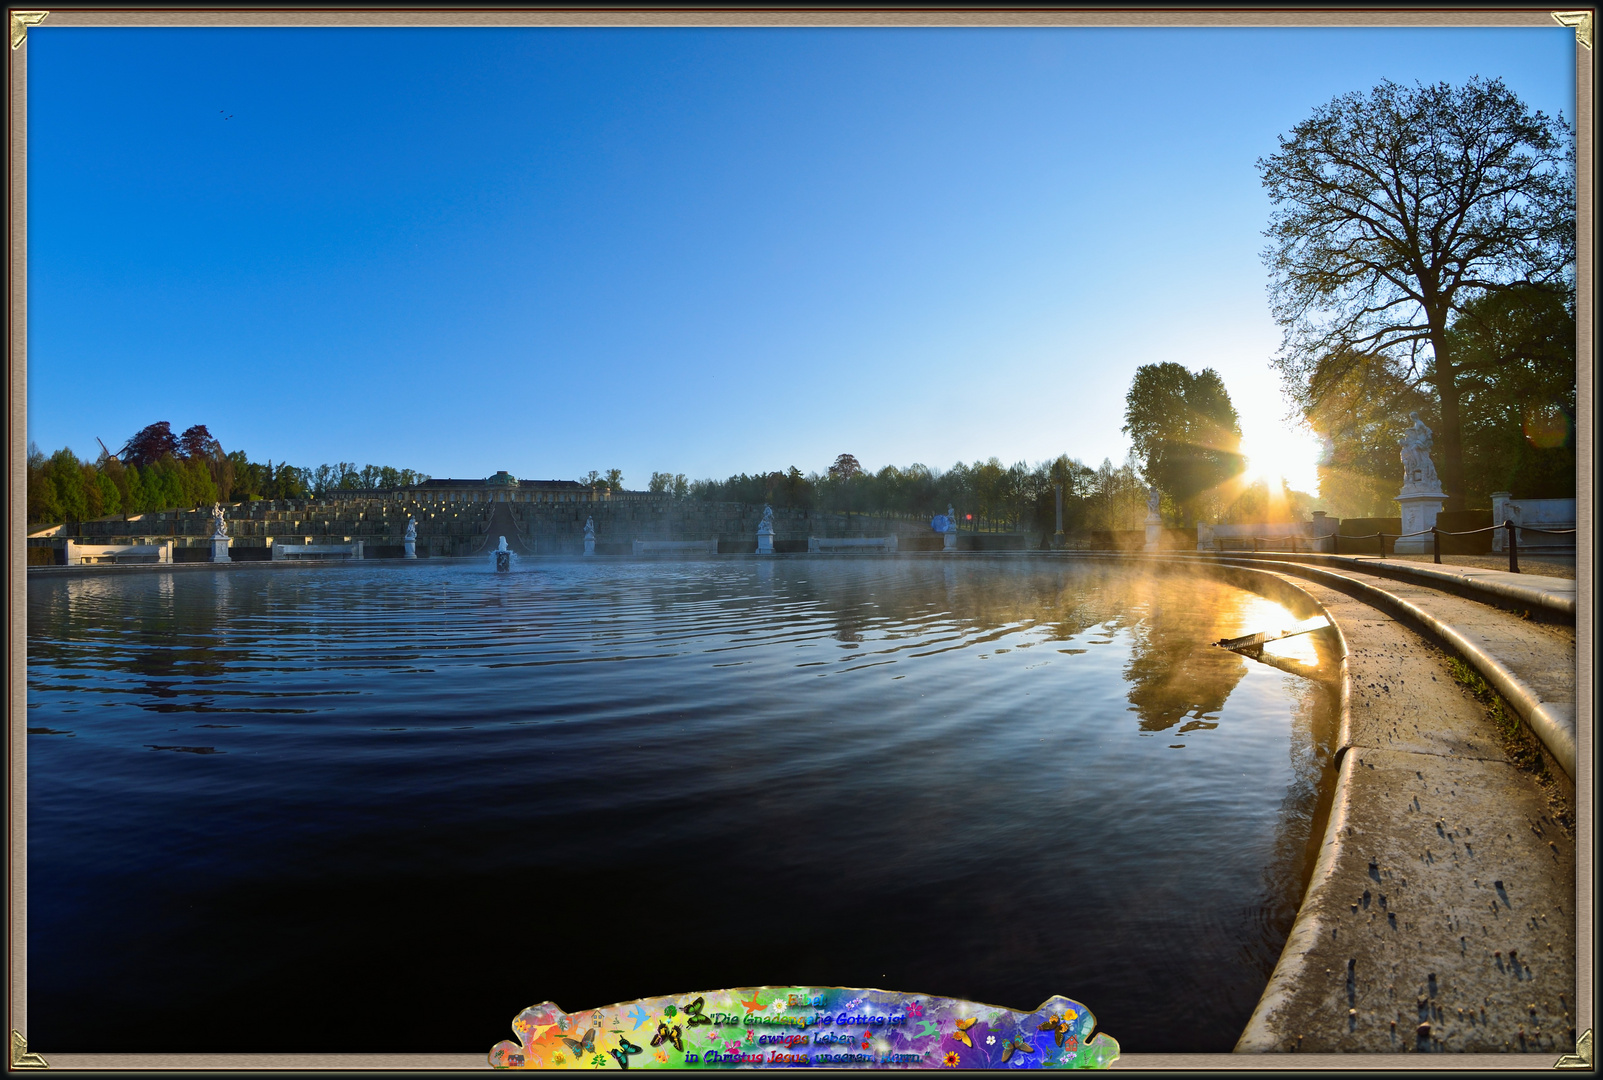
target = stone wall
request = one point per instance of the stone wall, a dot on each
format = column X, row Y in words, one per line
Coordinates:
column 550, row 528
column 559, row 528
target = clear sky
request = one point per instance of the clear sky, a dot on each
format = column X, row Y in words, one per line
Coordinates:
column 697, row 251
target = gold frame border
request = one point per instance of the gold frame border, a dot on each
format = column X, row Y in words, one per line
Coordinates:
column 16, row 444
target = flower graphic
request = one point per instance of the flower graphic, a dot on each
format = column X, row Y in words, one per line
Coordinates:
column 916, row 1009
column 662, row 1057
column 751, row 1035
column 558, row 1059
column 990, row 1040
column 950, row 1061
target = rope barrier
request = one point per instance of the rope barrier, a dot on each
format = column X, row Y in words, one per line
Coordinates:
column 1434, row 533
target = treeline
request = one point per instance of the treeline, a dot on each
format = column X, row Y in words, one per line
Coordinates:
column 156, row 470
column 987, row 495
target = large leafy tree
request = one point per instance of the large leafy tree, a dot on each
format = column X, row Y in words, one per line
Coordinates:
column 1515, row 351
column 1184, row 431
column 1396, row 208
column 148, row 445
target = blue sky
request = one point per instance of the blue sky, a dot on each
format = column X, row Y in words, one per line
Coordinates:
column 696, row 251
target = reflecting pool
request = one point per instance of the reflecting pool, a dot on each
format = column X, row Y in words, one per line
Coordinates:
column 386, row 806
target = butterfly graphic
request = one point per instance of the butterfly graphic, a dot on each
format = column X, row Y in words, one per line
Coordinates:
column 1059, row 1027
column 625, row 1048
column 586, row 1045
column 961, row 1034
column 693, row 1013
column 639, row 1015
column 668, row 1034
column 1016, row 1043
column 754, row 1005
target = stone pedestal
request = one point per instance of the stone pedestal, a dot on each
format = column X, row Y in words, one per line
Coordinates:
column 949, row 540
column 220, row 549
column 765, row 539
column 589, row 545
column 1154, row 532
column 1419, row 514
column 411, row 549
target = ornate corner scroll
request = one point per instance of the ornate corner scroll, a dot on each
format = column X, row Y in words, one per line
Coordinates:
column 1581, row 20
column 1582, row 1058
column 21, row 1059
column 21, row 20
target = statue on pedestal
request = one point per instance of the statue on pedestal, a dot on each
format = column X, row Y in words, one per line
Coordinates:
column 590, row 535
column 1418, row 469
column 219, row 524
column 411, row 529
column 765, row 532
column 1153, row 500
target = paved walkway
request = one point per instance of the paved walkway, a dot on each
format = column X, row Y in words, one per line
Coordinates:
column 1553, row 596
column 1441, row 915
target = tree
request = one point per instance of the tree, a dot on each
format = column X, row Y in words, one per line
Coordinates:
column 197, row 442
column 148, row 445
column 1515, row 352
column 1184, row 430
column 845, row 467
column 1358, row 406
column 1396, row 208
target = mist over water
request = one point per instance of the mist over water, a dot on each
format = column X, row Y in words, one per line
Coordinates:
column 386, row 807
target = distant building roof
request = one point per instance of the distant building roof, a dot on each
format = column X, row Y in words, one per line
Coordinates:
column 494, row 482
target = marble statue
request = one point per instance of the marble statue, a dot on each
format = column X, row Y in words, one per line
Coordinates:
column 411, row 529
column 503, row 546
column 1153, row 499
column 765, row 532
column 1418, row 469
column 590, row 528
column 219, row 537
column 951, row 518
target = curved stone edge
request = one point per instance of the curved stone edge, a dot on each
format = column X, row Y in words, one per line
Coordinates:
column 1258, row 1037
column 1468, row 586
column 1552, row 723
column 1305, row 929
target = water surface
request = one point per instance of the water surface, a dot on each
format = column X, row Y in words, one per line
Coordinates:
column 385, row 807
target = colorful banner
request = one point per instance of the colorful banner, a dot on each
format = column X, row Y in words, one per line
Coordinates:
column 801, row 1026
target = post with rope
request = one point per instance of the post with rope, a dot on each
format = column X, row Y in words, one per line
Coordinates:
column 1436, row 543
column 1513, row 548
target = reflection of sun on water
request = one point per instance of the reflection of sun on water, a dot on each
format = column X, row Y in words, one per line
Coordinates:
column 1262, row 616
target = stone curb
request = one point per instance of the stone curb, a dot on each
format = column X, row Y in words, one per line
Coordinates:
column 1553, row 723
column 1470, row 586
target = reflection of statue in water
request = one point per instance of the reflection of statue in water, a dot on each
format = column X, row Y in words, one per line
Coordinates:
column 219, row 526
column 1418, row 470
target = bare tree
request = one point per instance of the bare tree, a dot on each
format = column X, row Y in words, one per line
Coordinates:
column 1395, row 208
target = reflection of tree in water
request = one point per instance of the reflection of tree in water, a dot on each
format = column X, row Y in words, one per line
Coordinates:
column 1174, row 671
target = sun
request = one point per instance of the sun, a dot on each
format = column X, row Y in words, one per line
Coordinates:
column 1276, row 450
